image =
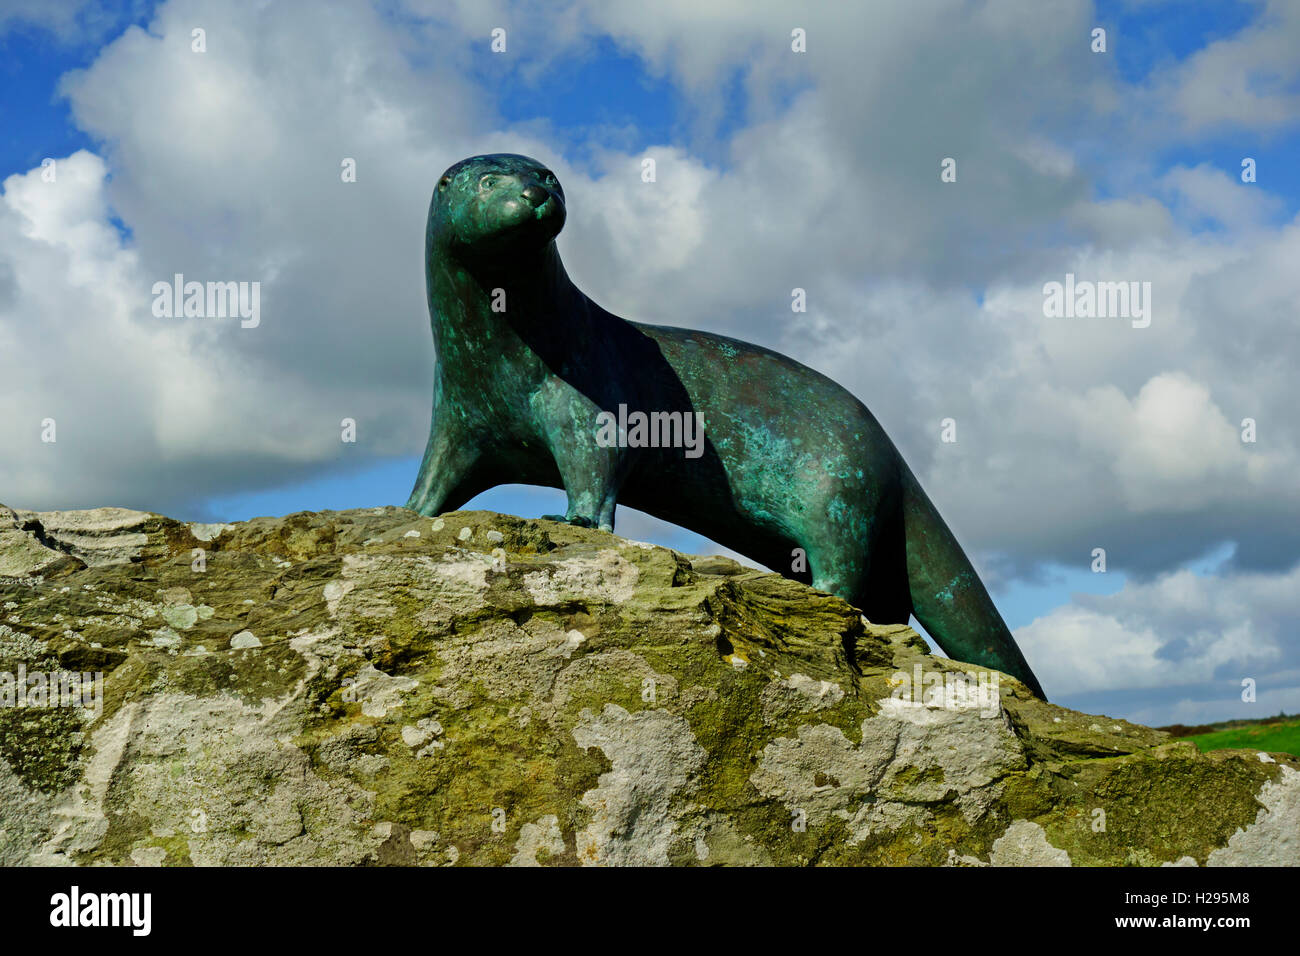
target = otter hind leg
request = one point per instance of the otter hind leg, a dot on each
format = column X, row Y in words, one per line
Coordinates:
column 885, row 597
column 870, row 572
column 837, row 567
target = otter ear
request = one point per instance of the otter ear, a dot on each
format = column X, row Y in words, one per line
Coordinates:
column 444, row 182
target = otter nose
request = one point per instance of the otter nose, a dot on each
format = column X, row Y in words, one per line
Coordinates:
column 535, row 195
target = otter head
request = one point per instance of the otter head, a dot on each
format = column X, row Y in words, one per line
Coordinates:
column 500, row 203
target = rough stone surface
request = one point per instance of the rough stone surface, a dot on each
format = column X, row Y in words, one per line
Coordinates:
column 376, row 687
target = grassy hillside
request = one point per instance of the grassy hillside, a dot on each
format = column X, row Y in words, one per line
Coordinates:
column 1281, row 733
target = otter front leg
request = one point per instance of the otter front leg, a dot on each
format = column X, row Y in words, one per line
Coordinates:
column 591, row 474
column 591, row 483
column 449, row 458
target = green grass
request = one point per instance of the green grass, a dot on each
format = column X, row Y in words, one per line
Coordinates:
column 1281, row 737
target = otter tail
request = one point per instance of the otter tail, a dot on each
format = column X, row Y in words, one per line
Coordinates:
column 948, row 597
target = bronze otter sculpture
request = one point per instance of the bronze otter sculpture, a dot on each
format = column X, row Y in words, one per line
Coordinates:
column 530, row 372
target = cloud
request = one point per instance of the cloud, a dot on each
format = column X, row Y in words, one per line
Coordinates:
column 1205, row 194
column 1176, row 648
column 225, row 166
column 1169, row 447
column 1250, row 80
column 68, row 21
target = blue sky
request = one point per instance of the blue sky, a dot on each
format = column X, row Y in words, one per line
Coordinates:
column 1140, row 176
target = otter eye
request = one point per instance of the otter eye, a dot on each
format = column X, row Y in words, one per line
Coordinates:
column 487, row 182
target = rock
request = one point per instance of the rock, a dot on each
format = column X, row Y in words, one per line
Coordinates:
column 375, row 687
column 25, row 550
column 244, row 640
column 96, row 537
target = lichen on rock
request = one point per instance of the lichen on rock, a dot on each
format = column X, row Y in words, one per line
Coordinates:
column 376, row 687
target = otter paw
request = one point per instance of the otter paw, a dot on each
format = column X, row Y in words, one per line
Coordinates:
column 578, row 520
